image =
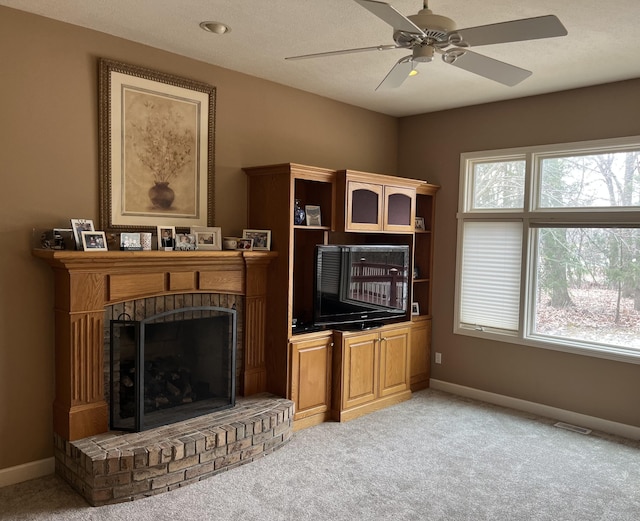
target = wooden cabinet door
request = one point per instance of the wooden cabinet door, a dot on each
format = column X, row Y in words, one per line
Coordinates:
column 360, row 369
column 364, row 206
column 311, row 376
column 420, row 358
column 399, row 211
column 394, row 361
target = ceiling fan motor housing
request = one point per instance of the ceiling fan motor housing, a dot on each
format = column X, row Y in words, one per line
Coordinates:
column 434, row 26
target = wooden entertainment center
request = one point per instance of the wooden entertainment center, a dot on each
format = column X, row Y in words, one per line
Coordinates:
column 338, row 374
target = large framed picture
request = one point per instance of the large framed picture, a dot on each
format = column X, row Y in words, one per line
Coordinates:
column 156, row 149
column 261, row 238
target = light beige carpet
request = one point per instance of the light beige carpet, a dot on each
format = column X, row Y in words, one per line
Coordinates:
column 435, row 457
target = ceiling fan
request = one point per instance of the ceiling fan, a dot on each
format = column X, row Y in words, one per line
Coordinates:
column 426, row 34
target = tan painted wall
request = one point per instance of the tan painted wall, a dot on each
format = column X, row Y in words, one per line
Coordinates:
column 49, row 173
column 429, row 147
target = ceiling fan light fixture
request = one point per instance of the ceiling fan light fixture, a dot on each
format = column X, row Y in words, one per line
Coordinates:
column 215, row 27
column 414, row 72
column 423, row 54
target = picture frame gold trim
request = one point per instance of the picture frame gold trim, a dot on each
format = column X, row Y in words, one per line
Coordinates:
column 136, row 107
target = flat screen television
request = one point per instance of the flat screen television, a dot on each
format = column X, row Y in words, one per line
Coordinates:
column 360, row 286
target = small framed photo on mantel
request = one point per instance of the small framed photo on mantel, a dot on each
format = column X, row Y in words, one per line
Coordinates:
column 130, row 242
column 78, row 226
column 185, row 242
column 94, row 241
column 245, row 244
column 166, row 238
column 207, row 238
column 261, row 239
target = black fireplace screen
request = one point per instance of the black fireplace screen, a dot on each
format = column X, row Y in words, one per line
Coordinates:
column 171, row 367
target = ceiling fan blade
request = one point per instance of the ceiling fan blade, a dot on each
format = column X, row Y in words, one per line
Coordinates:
column 495, row 70
column 513, row 31
column 396, row 76
column 389, row 14
column 345, row 51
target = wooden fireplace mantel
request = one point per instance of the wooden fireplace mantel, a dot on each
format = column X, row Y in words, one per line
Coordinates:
column 86, row 282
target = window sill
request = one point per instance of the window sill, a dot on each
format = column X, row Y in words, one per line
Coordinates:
column 618, row 354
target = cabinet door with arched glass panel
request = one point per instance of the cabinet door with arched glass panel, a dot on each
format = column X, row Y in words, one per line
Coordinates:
column 379, row 206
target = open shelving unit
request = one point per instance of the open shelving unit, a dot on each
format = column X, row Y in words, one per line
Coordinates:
column 308, row 365
column 423, row 250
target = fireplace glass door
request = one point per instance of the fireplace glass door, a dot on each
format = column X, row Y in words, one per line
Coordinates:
column 171, row 367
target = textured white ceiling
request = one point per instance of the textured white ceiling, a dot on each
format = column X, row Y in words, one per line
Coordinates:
column 603, row 44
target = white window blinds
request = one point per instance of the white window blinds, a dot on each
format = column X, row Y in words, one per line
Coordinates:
column 490, row 282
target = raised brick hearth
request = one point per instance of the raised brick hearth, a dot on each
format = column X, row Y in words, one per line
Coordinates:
column 115, row 467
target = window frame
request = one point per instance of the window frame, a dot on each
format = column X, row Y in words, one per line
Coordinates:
column 533, row 217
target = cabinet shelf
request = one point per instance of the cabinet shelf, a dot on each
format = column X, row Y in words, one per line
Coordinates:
column 305, row 227
column 418, row 281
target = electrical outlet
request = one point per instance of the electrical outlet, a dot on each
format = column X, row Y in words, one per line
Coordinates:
column 438, row 358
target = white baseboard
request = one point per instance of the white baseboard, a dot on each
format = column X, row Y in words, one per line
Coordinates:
column 574, row 418
column 27, row 471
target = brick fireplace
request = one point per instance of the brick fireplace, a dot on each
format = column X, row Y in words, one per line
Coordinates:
column 112, row 466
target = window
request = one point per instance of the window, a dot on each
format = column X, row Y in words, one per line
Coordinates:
column 549, row 247
column 497, row 184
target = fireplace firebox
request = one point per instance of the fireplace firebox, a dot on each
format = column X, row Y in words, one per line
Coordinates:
column 171, row 366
